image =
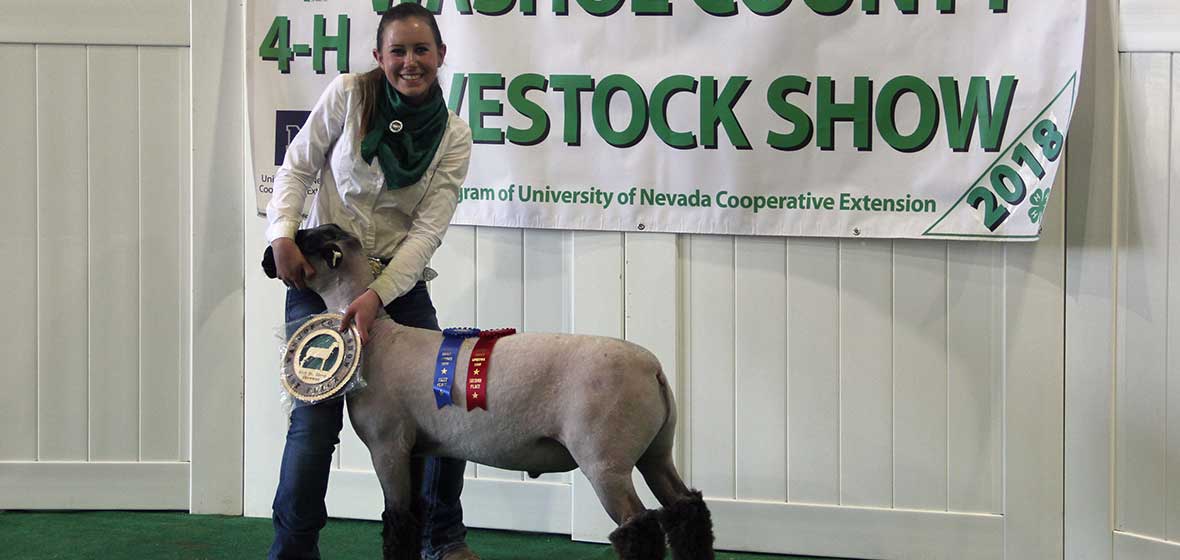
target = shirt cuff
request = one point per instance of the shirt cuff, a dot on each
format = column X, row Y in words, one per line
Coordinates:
column 385, row 289
column 282, row 228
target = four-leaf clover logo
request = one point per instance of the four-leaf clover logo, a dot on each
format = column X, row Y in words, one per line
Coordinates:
column 1040, row 198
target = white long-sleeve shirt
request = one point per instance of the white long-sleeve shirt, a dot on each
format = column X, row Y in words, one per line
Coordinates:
column 405, row 225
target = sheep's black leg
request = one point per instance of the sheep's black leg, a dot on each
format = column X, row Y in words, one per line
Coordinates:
column 402, row 530
column 689, row 527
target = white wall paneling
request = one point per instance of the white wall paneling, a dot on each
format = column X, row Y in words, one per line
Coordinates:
column 164, row 175
column 1172, row 426
column 1146, row 435
column 853, row 532
column 95, row 22
column 974, row 385
column 1143, row 295
column 1089, row 297
column 62, row 218
column 18, row 341
column 96, row 485
column 1139, row 547
column 218, row 211
column 710, row 324
column 920, row 375
column 1033, row 389
column 94, row 145
column 866, row 366
column 265, row 420
column 1149, row 25
column 760, row 369
column 813, row 374
column 113, row 251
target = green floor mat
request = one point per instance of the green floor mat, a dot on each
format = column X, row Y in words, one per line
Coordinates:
column 113, row 535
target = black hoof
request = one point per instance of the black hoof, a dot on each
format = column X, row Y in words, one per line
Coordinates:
column 400, row 536
column 639, row 538
column 689, row 527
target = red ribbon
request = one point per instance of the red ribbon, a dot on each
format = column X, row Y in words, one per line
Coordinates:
column 477, row 368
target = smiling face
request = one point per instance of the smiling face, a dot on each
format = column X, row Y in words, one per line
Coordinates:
column 409, row 57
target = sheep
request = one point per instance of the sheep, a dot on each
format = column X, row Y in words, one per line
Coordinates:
column 556, row 402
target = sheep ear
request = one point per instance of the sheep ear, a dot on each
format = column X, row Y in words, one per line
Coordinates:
column 332, row 255
column 268, row 263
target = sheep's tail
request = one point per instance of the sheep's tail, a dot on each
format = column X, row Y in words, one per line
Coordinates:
column 664, row 438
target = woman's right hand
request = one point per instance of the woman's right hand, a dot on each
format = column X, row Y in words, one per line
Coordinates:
column 290, row 264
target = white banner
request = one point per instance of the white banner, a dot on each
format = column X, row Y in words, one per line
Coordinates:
column 870, row 118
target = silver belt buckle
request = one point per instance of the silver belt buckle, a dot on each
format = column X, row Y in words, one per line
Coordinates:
column 377, row 266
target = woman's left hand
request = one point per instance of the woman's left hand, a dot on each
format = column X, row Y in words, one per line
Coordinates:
column 364, row 310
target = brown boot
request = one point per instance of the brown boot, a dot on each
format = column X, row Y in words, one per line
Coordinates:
column 460, row 553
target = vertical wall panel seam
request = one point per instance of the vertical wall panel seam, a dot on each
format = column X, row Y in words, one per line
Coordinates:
column 1117, row 237
column 892, row 376
column 139, row 242
column 787, row 371
column 37, row 254
column 184, row 425
column 947, row 367
column 1167, row 298
column 1004, row 392
column 684, row 270
column 89, row 218
column 677, row 346
column 733, row 358
column 523, row 301
column 1064, row 171
column 524, row 255
column 622, row 285
column 839, row 370
column 1114, row 316
column 893, row 373
column 1004, row 387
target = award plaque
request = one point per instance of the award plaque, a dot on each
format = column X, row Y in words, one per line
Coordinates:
column 319, row 360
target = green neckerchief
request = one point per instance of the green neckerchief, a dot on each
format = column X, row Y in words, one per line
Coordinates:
column 405, row 154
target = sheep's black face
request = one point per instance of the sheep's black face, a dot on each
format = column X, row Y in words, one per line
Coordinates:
column 328, row 242
column 328, row 236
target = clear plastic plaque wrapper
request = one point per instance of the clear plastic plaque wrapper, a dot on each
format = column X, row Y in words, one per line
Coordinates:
column 319, row 362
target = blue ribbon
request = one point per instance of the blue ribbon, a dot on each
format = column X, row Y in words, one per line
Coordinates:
column 444, row 367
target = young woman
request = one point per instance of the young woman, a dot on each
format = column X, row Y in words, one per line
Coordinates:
column 398, row 157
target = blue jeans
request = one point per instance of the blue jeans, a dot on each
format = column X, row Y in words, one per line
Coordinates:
column 299, row 511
